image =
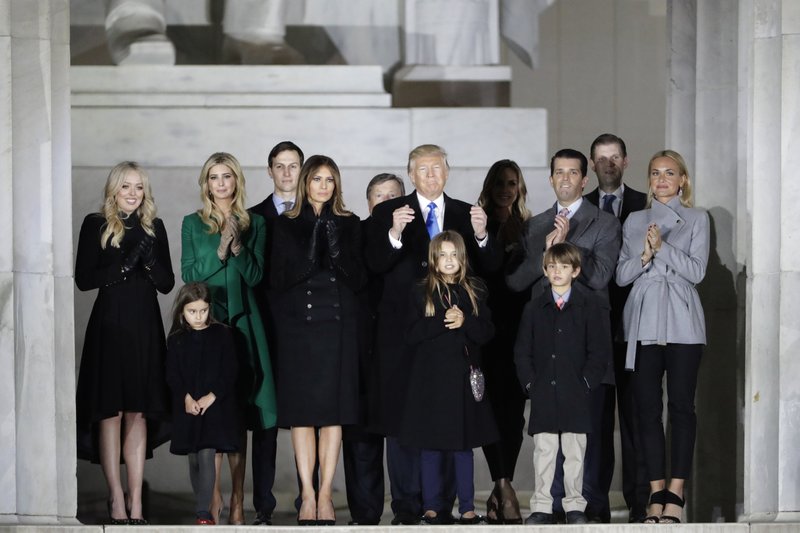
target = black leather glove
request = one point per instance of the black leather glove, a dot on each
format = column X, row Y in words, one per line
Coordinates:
column 137, row 253
column 313, row 247
column 332, row 233
column 149, row 250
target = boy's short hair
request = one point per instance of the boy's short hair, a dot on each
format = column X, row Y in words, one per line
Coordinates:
column 564, row 253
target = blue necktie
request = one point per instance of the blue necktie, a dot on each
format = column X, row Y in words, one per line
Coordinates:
column 430, row 222
column 608, row 203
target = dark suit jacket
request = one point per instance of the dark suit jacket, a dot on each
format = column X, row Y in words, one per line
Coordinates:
column 401, row 269
column 267, row 210
column 632, row 200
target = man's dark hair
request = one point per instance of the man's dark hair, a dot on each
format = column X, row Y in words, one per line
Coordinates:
column 608, row 138
column 282, row 147
column 569, row 153
column 383, row 178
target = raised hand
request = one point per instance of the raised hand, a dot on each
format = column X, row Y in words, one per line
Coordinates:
column 479, row 220
column 233, row 224
column 400, row 219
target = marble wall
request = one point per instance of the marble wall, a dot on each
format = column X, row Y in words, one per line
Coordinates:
column 37, row 464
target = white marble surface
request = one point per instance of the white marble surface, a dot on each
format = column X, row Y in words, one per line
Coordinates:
column 478, row 137
column 30, row 20
column 790, row 154
column 232, row 100
column 63, row 383
column 766, row 17
column 8, row 418
column 451, row 32
column 149, row 79
column 6, row 184
column 789, row 461
column 5, row 18
column 61, row 160
column 34, row 381
column 454, row 73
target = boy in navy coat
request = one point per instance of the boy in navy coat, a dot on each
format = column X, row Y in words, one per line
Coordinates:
column 561, row 354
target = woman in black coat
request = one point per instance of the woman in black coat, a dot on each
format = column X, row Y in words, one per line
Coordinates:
column 123, row 251
column 503, row 198
column 315, row 274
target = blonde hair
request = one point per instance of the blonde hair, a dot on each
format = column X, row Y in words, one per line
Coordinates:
column 310, row 167
column 211, row 215
column 426, row 150
column 114, row 226
column 685, row 191
column 435, row 283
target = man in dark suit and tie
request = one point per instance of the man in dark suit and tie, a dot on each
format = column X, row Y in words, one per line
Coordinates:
column 283, row 165
column 598, row 236
column 609, row 159
column 397, row 249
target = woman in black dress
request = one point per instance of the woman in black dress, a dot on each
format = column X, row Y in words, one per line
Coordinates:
column 503, row 198
column 123, row 251
column 316, row 271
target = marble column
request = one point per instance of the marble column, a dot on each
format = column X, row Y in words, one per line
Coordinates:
column 734, row 111
column 37, row 359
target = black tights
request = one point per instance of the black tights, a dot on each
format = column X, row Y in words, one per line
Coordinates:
column 202, row 474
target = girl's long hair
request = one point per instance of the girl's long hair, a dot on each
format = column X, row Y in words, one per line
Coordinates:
column 191, row 292
column 114, row 226
column 436, row 286
column 512, row 228
column 210, row 214
column 310, row 167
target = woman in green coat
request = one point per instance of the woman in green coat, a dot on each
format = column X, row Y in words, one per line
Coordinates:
column 222, row 245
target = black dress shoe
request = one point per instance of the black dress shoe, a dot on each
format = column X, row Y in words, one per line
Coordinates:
column 262, row 519
column 405, row 519
column 540, row 519
column 477, row 519
column 138, row 522
column 576, row 517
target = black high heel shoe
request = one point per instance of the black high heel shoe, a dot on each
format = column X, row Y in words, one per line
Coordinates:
column 493, row 513
column 656, row 498
column 671, row 498
column 115, row 521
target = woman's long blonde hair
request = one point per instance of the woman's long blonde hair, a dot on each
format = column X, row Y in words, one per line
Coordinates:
column 435, row 283
column 210, row 214
column 310, row 167
column 685, row 192
column 115, row 227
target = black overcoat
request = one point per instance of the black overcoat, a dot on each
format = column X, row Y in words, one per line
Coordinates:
column 199, row 362
column 562, row 354
column 400, row 270
column 316, row 317
column 441, row 412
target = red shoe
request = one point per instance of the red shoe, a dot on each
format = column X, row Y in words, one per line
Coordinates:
column 204, row 521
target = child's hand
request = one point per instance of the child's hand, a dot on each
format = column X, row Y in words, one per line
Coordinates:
column 206, row 401
column 190, row 405
column 453, row 318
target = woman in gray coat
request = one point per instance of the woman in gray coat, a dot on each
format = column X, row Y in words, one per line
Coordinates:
column 664, row 254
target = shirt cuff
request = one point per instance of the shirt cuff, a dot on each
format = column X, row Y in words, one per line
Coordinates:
column 482, row 242
column 394, row 242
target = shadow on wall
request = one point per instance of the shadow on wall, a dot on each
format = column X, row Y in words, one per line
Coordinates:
column 713, row 493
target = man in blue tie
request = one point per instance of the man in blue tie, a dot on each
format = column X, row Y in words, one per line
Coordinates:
column 397, row 242
column 597, row 235
column 283, row 166
column 609, row 159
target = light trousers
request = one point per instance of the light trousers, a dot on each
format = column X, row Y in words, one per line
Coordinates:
column 545, row 452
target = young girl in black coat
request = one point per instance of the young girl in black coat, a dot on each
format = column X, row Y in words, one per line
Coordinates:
column 449, row 322
column 201, row 372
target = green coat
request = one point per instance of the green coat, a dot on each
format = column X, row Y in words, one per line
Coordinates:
column 233, row 302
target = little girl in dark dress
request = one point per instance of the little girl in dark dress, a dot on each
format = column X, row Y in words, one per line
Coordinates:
column 201, row 373
column 449, row 322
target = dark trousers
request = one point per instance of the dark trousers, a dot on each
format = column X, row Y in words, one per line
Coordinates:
column 508, row 405
column 402, row 462
column 599, row 454
column 363, row 477
column 681, row 363
column 635, row 485
column 433, row 471
column 263, row 457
